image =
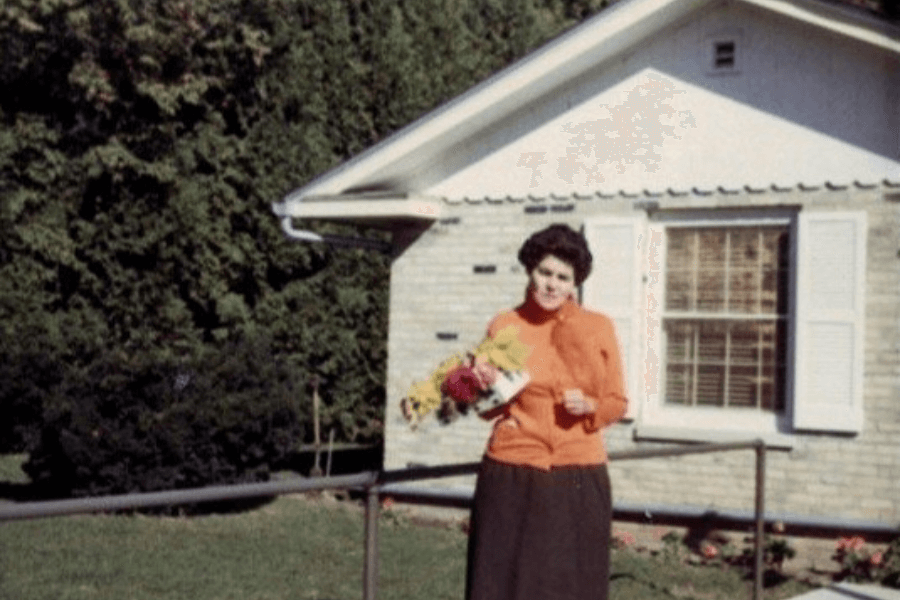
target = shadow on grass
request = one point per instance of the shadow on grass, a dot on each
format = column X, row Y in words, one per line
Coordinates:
column 27, row 492
column 15, row 487
column 19, row 492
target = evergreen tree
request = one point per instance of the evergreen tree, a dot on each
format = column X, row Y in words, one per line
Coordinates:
column 142, row 143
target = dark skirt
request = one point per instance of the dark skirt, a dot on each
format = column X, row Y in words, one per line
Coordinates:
column 539, row 535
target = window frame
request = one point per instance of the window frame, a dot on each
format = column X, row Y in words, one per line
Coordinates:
column 661, row 420
column 826, row 337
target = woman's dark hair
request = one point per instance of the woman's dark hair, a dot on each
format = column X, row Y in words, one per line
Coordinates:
column 564, row 243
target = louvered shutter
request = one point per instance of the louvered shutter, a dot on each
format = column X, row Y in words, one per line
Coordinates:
column 828, row 379
column 614, row 288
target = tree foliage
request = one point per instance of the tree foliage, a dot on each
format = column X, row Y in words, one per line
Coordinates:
column 142, row 143
column 144, row 423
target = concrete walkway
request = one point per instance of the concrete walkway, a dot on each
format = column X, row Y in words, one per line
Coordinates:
column 851, row 591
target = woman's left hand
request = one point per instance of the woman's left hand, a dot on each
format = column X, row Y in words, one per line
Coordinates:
column 576, row 403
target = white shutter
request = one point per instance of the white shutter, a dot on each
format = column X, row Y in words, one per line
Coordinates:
column 831, row 273
column 614, row 288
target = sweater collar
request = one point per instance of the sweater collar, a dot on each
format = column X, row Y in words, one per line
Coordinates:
column 534, row 313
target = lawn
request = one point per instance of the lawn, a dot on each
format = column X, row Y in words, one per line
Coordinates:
column 295, row 547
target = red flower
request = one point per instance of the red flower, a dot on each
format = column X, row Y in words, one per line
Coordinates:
column 710, row 551
column 462, row 385
column 876, row 559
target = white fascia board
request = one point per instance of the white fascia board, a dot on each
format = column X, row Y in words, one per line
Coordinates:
column 398, row 157
column 844, row 20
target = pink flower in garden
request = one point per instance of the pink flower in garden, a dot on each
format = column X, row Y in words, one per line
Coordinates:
column 710, row 551
column 850, row 544
column 623, row 539
column 877, row 559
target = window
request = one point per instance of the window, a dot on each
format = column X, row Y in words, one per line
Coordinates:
column 722, row 297
column 735, row 323
column 725, row 317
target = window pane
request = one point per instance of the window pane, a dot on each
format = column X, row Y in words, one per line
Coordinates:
column 711, row 247
column 743, row 385
column 680, row 343
column 680, row 270
column 771, row 287
column 745, row 343
column 679, row 384
column 712, row 341
column 711, row 385
column 725, row 362
column 711, row 291
column 679, row 290
column 741, row 270
column 745, row 247
column 711, row 275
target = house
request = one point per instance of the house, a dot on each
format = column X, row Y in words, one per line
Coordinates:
column 735, row 166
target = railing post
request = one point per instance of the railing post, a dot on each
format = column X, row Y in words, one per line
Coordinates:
column 370, row 568
column 760, row 508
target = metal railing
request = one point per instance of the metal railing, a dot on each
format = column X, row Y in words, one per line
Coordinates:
column 372, row 483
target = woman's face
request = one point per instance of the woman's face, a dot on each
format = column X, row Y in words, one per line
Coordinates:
column 552, row 282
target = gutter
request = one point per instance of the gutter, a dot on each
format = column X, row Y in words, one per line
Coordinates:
column 384, row 210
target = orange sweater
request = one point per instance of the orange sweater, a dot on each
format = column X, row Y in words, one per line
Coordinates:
column 571, row 348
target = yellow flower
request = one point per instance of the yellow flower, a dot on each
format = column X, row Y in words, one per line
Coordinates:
column 506, row 336
column 504, row 350
column 499, row 358
column 425, row 396
column 445, row 367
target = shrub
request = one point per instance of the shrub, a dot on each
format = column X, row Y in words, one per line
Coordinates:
column 143, row 423
column 890, row 565
column 860, row 563
column 25, row 377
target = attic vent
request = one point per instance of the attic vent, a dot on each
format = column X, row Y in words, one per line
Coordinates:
column 724, row 57
column 724, row 52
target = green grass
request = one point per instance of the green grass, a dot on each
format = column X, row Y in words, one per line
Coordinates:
column 291, row 548
column 11, row 468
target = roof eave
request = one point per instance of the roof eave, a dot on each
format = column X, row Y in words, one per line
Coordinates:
column 385, row 166
column 392, row 164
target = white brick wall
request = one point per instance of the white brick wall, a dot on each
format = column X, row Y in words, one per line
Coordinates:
column 434, row 289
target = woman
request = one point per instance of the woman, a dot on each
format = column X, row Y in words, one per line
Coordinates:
column 541, row 518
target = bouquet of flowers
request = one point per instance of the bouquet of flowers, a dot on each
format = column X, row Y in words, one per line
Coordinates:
column 458, row 384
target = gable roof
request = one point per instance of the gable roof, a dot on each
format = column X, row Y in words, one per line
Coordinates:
column 397, row 165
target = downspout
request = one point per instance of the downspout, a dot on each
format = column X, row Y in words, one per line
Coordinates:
column 300, row 235
column 303, row 235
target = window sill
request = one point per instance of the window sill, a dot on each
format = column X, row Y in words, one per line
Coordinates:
column 772, row 440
